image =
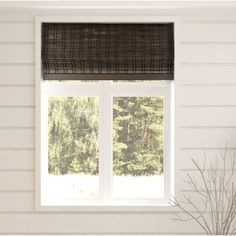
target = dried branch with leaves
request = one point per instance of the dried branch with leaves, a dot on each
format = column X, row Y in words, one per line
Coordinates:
column 214, row 205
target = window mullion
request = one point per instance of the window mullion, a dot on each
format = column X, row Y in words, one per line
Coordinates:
column 105, row 140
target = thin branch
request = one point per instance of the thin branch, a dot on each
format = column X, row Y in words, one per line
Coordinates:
column 217, row 194
column 198, row 211
column 197, row 219
column 207, row 189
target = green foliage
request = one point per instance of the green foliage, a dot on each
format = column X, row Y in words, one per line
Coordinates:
column 137, row 135
column 73, row 132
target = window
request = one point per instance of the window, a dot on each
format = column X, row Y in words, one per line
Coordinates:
column 103, row 142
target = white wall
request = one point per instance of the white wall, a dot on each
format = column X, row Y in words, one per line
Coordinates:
column 205, row 118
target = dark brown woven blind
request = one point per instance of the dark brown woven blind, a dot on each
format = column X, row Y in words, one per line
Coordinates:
column 107, row 51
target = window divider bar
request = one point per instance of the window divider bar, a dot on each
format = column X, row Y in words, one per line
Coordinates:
column 105, row 143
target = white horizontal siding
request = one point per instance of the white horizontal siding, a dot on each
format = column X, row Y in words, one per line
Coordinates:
column 16, row 180
column 199, row 32
column 205, row 111
column 16, row 201
column 16, row 53
column 16, row 117
column 208, row 74
column 215, row 16
column 16, row 74
column 203, row 155
column 16, row 138
column 16, row 159
column 19, row 33
column 207, row 137
column 210, row 95
column 208, row 53
column 16, row 96
column 219, row 116
column 70, row 223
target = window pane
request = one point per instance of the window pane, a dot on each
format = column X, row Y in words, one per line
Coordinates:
column 138, row 147
column 73, row 147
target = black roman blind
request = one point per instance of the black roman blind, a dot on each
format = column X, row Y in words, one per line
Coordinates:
column 80, row 51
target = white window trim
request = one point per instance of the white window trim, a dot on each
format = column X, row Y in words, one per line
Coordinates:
column 86, row 89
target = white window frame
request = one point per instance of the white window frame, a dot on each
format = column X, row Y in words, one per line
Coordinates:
column 105, row 90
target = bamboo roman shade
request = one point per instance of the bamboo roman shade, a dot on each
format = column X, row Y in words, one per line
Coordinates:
column 78, row 51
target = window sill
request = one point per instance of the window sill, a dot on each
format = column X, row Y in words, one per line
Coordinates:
column 160, row 207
